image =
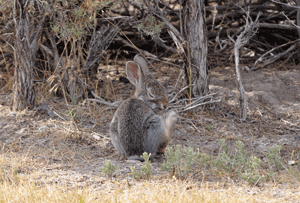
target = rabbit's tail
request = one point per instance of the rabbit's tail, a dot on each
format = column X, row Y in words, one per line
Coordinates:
column 135, row 157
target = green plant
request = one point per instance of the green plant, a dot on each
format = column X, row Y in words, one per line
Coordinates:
column 150, row 25
column 71, row 113
column 238, row 162
column 134, row 173
column 241, row 155
column 208, row 127
column 146, row 168
column 108, row 169
column 224, row 159
column 250, row 172
column 181, row 160
column 204, row 159
column 273, row 155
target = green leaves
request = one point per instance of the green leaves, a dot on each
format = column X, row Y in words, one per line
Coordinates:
column 108, row 169
column 150, row 25
column 181, row 160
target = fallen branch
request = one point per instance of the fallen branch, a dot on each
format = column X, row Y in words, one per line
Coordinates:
column 277, row 26
column 270, row 60
column 115, row 104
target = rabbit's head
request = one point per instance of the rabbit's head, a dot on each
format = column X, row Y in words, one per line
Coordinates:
column 146, row 87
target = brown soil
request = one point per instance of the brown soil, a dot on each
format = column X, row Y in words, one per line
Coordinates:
column 59, row 150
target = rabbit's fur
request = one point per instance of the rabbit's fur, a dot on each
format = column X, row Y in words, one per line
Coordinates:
column 136, row 127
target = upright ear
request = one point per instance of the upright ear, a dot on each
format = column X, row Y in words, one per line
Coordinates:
column 134, row 74
column 143, row 63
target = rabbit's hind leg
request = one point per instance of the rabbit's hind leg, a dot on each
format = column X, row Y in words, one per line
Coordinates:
column 115, row 138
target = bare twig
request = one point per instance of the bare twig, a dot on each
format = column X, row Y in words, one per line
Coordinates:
column 144, row 52
column 99, row 43
column 288, row 5
column 174, row 98
column 277, row 26
column 115, row 104
column 273, row 58
column 201, row 104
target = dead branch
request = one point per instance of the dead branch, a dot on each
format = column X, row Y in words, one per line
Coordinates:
column 269, row 60
column 100, row 41
column 200, row 104
column 277, row 56
column 144, row 52
column 115, row 104
column 284, row 4
column 277, row 26
column 250, row 28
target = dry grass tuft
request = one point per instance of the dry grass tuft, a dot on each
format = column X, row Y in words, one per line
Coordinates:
column 145, row 191
column 20, row 185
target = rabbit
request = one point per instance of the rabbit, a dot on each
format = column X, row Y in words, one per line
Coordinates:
column 136, row 126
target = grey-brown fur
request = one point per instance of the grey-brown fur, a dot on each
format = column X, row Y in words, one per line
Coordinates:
column 135, row 127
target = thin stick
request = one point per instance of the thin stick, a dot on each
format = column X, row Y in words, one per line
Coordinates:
column 260, row 59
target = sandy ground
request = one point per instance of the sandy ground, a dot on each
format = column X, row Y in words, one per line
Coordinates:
column 53, row 149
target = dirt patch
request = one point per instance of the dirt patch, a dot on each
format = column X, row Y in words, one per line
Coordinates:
column 56, row 149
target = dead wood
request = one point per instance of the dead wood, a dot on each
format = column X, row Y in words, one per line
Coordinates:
column 25, row 46
column 250, row 28
column 268, row 60
column 277, row 26
column 176, row 45
column 100, row 41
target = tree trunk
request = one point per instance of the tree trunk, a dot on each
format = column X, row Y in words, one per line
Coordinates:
column 196, row 35
column 24, row 57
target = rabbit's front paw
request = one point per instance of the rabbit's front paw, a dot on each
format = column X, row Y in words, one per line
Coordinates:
column 171, row 119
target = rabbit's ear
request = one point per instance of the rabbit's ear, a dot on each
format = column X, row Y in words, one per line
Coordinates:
column 134, row 74
column 143, row 63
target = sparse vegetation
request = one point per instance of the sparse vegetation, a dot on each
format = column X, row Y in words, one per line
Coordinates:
column 180, row 160
column 71, row 112
column 108, row 169
column 146, row 170
column 134, row 173
column 273, row 156
column 81, row 51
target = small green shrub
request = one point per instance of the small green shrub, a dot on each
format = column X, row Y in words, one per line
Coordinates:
column 71, row 113
column 238, row 162
column 181, row 160
column 208, row 127
column 146, row 170
column 273, row 156
column 150, row 25
column 108, row 169
column 134, row 173
column 251, row 170
column 224, row 159
column 204, row 159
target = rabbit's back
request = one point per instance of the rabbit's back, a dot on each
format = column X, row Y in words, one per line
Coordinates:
column 128, row 126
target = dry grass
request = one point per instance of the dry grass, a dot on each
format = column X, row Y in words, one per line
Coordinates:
column 144, row 191
column 63, row 163
column 22, row 180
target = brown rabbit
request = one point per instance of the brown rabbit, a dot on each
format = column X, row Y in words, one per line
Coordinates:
column 136, row 127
